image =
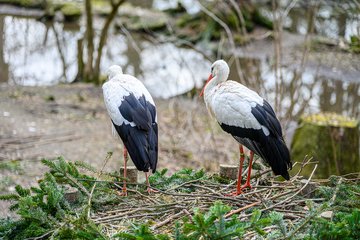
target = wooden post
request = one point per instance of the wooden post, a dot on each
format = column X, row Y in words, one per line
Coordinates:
column 72, row 194
column 332, row 140
column 228, row 171
column 131, row 173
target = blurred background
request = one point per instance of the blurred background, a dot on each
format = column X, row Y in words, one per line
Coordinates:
column 302, row 56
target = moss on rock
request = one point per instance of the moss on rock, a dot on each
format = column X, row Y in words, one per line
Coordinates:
column 200, row 26
column 141, row 19
column 25, row 3
column 355, row 44
column 71, row 11
column 330, row 119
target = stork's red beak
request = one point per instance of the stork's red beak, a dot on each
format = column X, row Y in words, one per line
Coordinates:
column 202, row 91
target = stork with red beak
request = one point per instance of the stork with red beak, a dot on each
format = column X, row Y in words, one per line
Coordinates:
column 249, row 119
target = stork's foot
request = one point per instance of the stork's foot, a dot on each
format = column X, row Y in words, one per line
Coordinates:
column 246, row 185
column 234, row 194
column 150, row 190
column 122, row 192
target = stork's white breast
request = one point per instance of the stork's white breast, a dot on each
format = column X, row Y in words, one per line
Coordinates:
column 231, row 104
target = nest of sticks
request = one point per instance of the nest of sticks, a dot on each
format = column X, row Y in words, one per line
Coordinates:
column 161, row 210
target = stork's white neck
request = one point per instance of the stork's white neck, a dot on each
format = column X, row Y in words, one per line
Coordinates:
column 113, row 71
column 221, row 76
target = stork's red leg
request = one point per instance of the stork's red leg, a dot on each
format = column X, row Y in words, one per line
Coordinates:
column 238, row 186
column 124, row 191
column 247, row 183
column 149, row 189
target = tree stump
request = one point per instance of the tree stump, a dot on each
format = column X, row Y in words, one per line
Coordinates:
column 131, row 173
column 229, row 171
column 332, row 140
column 71, row 194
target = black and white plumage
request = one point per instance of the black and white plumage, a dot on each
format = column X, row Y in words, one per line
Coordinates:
column 247, row 117
column 133, row 114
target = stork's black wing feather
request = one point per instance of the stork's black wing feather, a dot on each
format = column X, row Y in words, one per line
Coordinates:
column 270, row 147
column 140, row 140
column 265, row 115
column 137, row 111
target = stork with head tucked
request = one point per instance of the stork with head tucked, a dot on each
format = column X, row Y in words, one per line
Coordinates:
column 133, row 114
column 249, row 119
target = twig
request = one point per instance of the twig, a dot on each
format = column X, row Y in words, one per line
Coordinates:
column 80, row 186
column 230, row 36
column 250, row 234
column 241, row 209
column 40, row 237
column 139, row 193
column 206, row 188
column 187, row 213
column 199, row 195
column 135, row 216
column 169, row 219
column 183, row 184
column 241, row 18
column 108, row 156
column 305, row 162
column 143, row 209
column 332, row 200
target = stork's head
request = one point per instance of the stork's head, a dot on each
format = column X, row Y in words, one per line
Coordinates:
column 113, row 71
column 219, row 73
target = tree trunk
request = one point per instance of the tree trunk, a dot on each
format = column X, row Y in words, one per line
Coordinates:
column 103, row 37
column 4, row 73
column 80, row 60
column 88, row 70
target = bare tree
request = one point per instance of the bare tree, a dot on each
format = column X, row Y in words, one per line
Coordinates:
column 89, row 71
column 4, row 73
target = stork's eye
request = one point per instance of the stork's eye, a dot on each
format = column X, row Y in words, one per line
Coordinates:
column 212, row 68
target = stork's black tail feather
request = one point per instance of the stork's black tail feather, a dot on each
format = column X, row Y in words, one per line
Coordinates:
column 153, row 150
column 142, row 145
column 271, row 148
column 275, row 152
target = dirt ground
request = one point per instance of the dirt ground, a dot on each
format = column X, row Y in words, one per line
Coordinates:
column 71, row 121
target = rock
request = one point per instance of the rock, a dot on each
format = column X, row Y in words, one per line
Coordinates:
column 343, row 45
column 71, row 11
column 229, row 171
column 319, row 41
column 327, row 214
column 138, row 19
column 332, row 140
column 25, row 3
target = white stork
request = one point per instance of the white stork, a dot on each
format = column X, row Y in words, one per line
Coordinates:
column 133, row 114
column 249, row 119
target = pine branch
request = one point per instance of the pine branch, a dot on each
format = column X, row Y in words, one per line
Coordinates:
column 9, row 197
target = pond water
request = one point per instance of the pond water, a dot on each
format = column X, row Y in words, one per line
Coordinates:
column 34, row 53
column 334, row 19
